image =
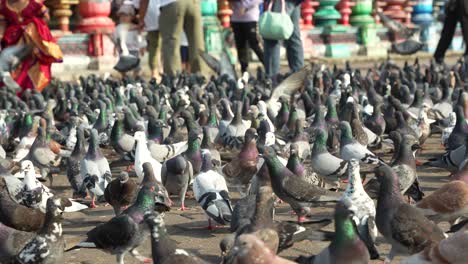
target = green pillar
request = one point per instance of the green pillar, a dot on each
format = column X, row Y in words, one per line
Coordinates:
column 212, row 29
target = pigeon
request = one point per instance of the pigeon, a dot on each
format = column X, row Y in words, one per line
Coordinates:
column 41, row 155
column 122, row 142
column 250, row 249
column 448, row 203
column 36, row 195
column 347, row 246
column 351, row 149
column 74, row 164
column 125, row 232
column 10, row 58
column 163, row 249
column 240, row 170
column 163, row 152
column 293, row 189
column 208, row 144
column 403, row 226
column 120, row 192
column 12, row 241
column 143, row 155
column 362, row 207
column 405, row 167
column 235, row 131
column 95, row 170
column 458, row 135
column 296, row 166
column 27, row 141
column 48, row 245
column 327, row 166
column 451, row 160
column 176, row 175
column 211, row 192
column 449, row 250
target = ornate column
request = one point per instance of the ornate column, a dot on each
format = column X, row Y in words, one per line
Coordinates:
column 96, row 22
column 224, row 13
column 212, row 30
column 308, row 11
column 61, row 9
column 344, row 7
column 409, row 11
column 395, row 10
column 361, row 15
column 326, row 14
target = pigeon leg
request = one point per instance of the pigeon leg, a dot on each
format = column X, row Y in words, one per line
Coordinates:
column 120, row 259
column 419, row 163
column 390, row 256
column 182, row 199
column 210, row 226
column 140, row 257
column 301, row 219
column 93, row 201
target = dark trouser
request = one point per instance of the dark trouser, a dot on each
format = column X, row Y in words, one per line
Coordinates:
column 245, row 34
column 452, row 17
column 294, row 50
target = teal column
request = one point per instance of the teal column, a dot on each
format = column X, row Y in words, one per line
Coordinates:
column 212, row 29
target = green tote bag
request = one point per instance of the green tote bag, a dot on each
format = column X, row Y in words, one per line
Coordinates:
column 275, row 26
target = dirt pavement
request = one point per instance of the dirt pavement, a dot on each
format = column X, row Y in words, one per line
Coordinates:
column 188, row 228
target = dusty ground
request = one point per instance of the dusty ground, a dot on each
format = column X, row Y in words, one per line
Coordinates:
column 188, row 228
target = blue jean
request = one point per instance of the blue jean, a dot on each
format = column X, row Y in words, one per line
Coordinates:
column 293, row 45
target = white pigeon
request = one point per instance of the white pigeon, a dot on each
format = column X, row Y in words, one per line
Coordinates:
column 211, row 192
column 448, row 130
column 263, row 114
column 143, row 155
column 362, row 206
column 35, row 194
column 163, row 152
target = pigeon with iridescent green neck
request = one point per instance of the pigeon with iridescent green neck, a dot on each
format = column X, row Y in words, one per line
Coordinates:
column 293, row 189
column 347, row 246
column 351, row 149
column 125, row 232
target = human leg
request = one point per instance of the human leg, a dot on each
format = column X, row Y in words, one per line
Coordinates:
column 446, row 36
column 153, row 58
column 254, row 41
column 193, row 27
column 241, row 44
column 294, row 49
column 171, row 21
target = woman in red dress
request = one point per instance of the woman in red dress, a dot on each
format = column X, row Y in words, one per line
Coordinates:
column 26, row 24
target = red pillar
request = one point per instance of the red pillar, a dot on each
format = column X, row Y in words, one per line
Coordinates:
column 307, row 11
column 395, row 10
column 224, row 13
column 344, row 7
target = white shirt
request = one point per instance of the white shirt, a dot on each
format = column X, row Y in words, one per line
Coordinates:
column 166, row 2
column 152, row 14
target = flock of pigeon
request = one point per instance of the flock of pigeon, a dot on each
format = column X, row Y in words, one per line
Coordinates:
column 306, row 140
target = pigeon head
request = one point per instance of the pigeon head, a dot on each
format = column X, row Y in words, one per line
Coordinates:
column 206, row 160
column 154, row 221
column 27, row 166
column 252, row 250
column 250, row 135
column 253, row 111
column 123, row 177
column 56, row 205
column 385, row 174
column 294, row 149
column 270, row 139
column 148, row 175
column 91, row 183
column 195, row 135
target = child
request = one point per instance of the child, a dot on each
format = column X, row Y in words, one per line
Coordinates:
column 244, row 24
column 127, row 36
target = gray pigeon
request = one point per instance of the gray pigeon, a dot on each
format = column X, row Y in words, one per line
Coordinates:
column 403, row 226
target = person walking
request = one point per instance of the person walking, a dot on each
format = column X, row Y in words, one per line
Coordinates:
column 177, row 16
column 244, row 25
column 456, row 11
column 293, row 45
column 149, row 22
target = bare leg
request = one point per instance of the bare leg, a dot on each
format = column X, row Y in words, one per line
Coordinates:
column 93, row 201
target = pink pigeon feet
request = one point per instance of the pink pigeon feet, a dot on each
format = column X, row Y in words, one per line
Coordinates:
column 418, row 162
column 130, row 168
column 148, row 260
column 183, row 208
column 92, row 205
column 210, row 225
